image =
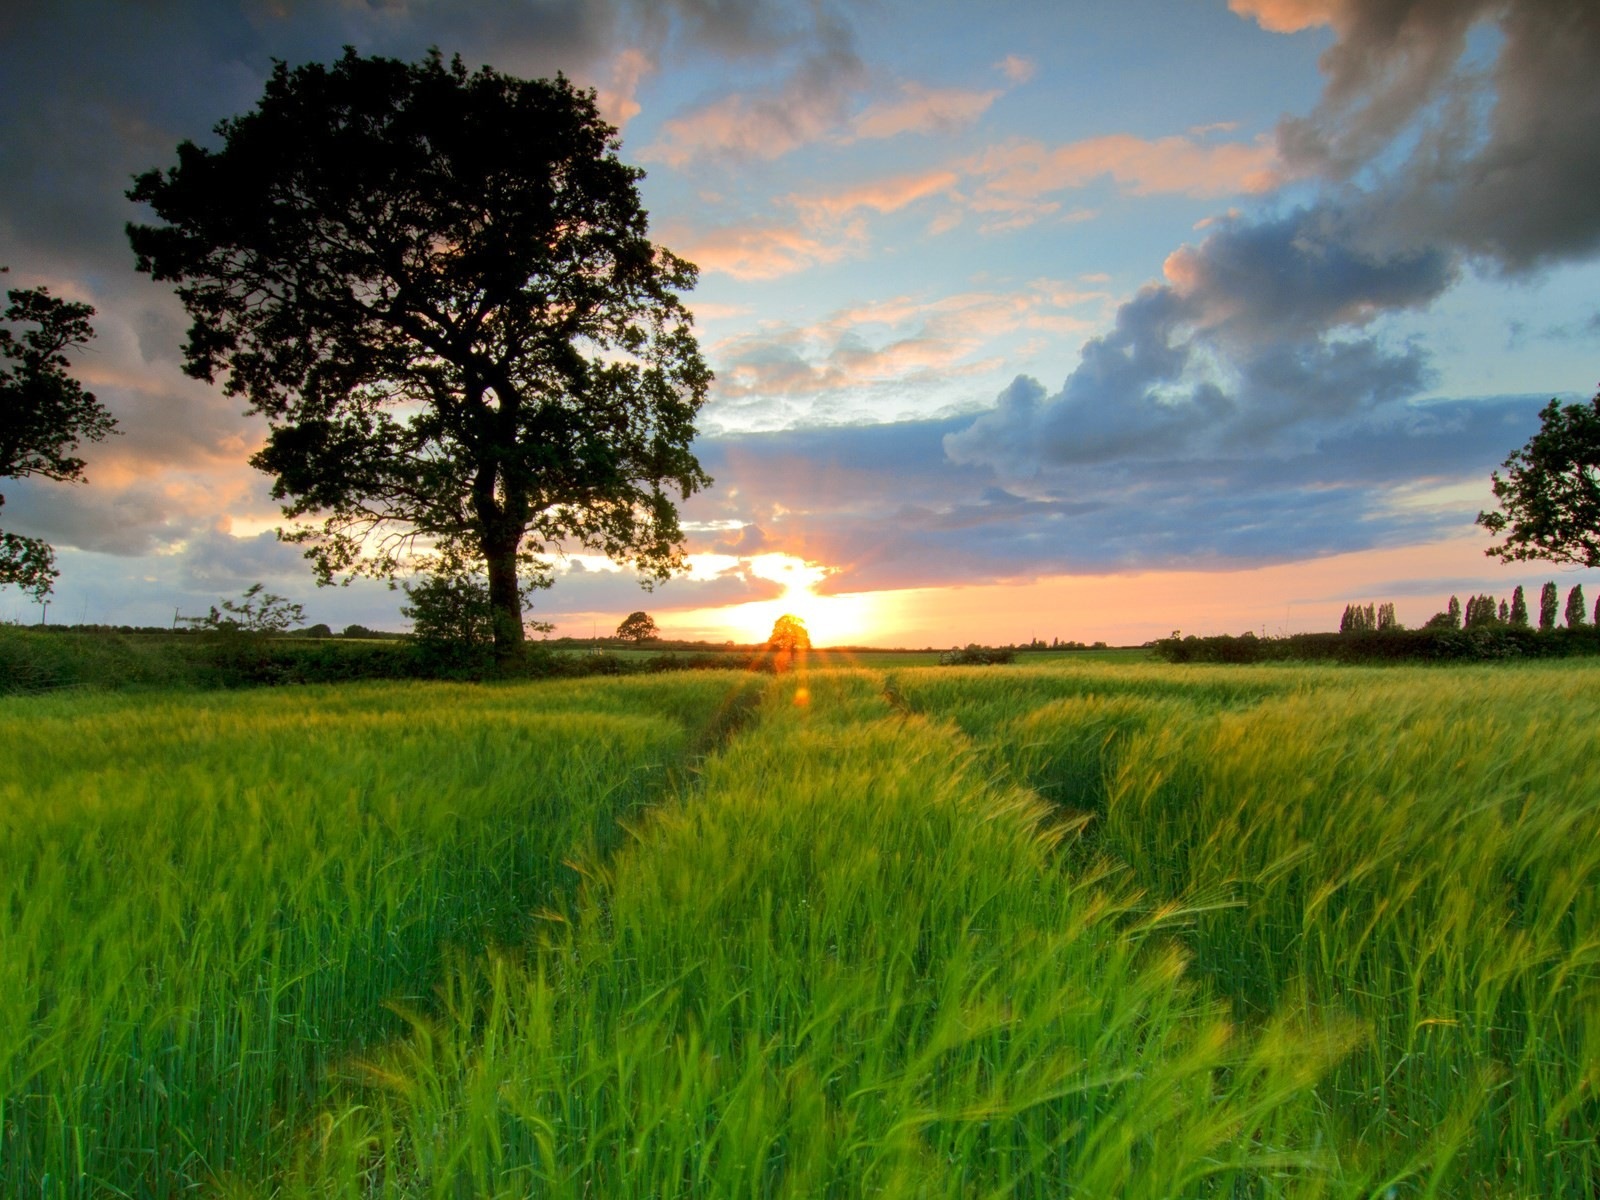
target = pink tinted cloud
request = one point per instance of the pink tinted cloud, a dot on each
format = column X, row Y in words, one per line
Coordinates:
column 920, row 109
column 1014, row 185
column 893, row 342
column 737, row 127
column 1141, row 166
column 616, row 97
column 1017, row 68
column 1286, row 16
column 763, row 249
column 886, row 195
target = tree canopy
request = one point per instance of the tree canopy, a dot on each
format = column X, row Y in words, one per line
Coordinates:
column 44, row 415
column 638, row 627
column 438, row 288
column 789, row 634
column 1550, row 495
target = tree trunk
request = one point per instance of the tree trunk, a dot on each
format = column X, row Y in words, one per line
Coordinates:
column 505, row 600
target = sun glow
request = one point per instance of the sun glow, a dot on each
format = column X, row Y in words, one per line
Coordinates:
column 843, row 620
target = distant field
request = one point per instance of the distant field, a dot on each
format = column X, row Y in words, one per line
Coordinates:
column 1076, row 926
column 828, row 659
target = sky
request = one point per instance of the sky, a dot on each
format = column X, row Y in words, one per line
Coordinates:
column 1062, row 320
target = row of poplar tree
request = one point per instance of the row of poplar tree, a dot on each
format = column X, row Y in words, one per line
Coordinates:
column 1480, row 611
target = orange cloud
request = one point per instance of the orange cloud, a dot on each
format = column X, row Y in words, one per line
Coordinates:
column 924, row 110
column 1011, row 186
column 1028, row 169
column 1286, row 16
column 882, row 195
column 736, row 127
column 615, row 97
column 763, row 250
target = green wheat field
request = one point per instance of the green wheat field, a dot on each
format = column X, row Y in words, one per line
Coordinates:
column 1073, row 930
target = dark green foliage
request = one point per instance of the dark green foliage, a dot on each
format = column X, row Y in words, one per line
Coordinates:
column 439, row 290
column 44, row 415
column 1450, row 618
column 1359, row 619
column 1519, row 608
column 638, row 627
column 1432, row 643
column 975, row 655
column 1550, row 496
column 44, row 660
column 1547, row 607
column 452, row 622
column 1481, row 611
column 1576, row 614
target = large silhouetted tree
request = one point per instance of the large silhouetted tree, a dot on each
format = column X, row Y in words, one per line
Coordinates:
column 1550, row 496
column 44, row 415
column 438, row 288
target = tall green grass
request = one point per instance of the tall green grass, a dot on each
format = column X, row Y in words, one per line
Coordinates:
column 1419, row 850
column 845, row 965
column 1080, row 929
column 208, row 902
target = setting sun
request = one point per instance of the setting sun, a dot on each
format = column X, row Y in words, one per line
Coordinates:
column 843, row 620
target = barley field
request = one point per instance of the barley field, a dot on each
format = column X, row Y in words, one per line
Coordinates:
column 1090, row 929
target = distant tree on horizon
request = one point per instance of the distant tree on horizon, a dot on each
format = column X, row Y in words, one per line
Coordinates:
column 638, row 627
column 1481, row 611
column 1577, row 611
column 789, row 635
column 1547, row 607
column 1519, row 608
column 1359, row 618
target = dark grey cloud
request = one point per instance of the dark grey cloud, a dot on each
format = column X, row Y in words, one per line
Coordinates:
column 213, row 560
column 138, row 518
column 1257, row 343
column 1505, row 154
column 1293, row 277
column 100, row 89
